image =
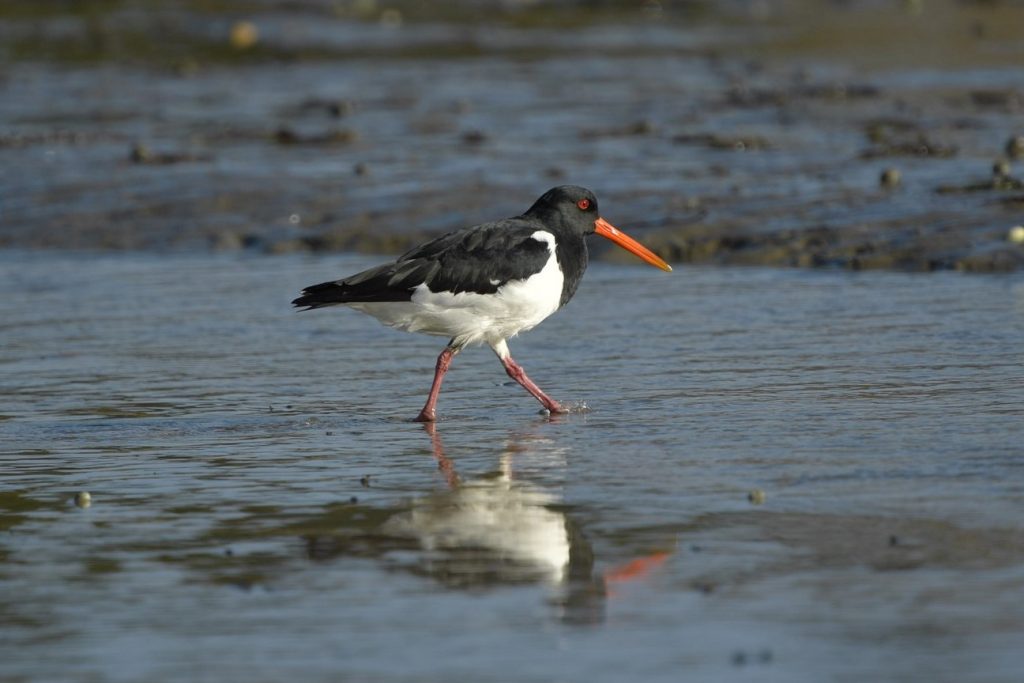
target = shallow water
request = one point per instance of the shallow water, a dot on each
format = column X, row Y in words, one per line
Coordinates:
column 262, row 508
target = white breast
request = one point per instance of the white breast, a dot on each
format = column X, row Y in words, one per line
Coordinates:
column 471, row 318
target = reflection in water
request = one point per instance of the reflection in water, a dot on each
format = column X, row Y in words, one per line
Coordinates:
column 494, row 528
column 491, row 530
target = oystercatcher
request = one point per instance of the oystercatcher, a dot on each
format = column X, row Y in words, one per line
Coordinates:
column 484, row 284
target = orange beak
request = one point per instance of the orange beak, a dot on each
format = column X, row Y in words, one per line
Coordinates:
column 606, row 229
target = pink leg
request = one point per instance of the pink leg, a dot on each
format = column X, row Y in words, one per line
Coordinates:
column 429, row 412
column 516, row 372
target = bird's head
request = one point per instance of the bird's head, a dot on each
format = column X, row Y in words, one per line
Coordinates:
column 575, row 208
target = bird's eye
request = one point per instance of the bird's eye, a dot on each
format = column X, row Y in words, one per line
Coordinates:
column 584, row 204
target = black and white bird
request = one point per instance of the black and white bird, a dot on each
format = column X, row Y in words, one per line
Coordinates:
column 484, row 284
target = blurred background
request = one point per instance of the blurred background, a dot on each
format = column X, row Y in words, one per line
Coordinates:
column 853, row 133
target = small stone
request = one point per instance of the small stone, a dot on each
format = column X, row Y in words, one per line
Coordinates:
column 83, row 499
column 891, row 177
column 361, row 169
column 365, row 481
column 244, row 34
column 353, row 500
column 1001, row 168
column 756, row 497
column 1015, row 147
column 1016, row 234
column 140, row 154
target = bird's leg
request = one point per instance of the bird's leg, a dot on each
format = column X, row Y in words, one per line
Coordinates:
column 516, row 372
column 429, row 412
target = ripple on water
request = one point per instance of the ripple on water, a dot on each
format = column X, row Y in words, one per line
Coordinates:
column 261, row 503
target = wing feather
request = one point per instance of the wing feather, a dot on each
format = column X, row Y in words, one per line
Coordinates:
column 479, row 259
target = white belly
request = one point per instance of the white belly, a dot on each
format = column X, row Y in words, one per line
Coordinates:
column 471, row 318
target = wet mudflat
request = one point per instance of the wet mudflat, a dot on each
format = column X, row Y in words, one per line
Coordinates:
column 793, row 475
column 723, row 133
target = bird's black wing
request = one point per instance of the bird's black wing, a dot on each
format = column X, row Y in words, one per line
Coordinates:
column 479, row 259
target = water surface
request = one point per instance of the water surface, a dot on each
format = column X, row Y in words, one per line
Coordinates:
column 262, row 507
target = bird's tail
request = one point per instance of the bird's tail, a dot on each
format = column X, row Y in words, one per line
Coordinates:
column 383, row 283
column 323, row 294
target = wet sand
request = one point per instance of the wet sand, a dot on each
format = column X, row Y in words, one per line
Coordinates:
column 855, row 136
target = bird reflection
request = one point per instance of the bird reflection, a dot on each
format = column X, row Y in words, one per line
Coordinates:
column 495, row 529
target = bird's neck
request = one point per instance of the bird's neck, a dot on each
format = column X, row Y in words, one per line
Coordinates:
column 571, row 252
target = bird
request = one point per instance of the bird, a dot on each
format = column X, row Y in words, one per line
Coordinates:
column 484, row 284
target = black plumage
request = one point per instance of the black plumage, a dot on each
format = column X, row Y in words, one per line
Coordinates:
column 480, row 259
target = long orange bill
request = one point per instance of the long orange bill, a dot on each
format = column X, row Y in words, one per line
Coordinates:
column 606, row 229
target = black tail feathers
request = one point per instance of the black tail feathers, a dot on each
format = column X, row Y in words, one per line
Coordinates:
column 324, row 294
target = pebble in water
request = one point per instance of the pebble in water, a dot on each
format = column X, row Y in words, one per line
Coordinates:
column 1015, row 147
column 891, row 177
column 756, row 497
column 1016, row 234
column 83, row 499
column 244, row 34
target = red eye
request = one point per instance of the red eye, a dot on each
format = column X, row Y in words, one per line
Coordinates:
column 584, row 204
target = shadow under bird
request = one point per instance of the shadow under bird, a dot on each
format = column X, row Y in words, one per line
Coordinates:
column 484, row 284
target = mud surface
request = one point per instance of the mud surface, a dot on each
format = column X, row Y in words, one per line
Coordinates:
column 852, row 135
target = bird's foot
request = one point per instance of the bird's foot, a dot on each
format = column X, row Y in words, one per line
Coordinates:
column 425, row 416
column 554, row 408
column 565, row 409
